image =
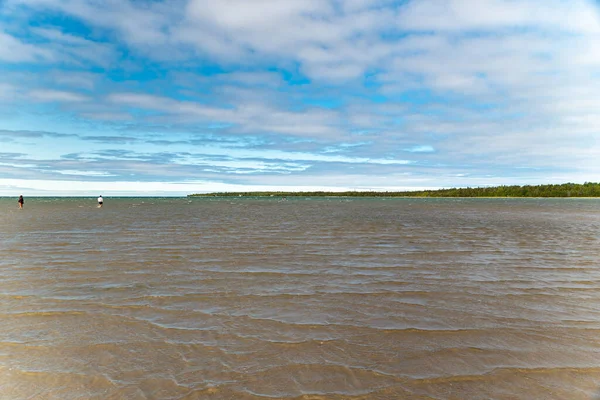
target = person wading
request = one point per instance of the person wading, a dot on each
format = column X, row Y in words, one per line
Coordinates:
column 21, row 201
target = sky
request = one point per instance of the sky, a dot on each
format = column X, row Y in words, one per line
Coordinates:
column 149, row 97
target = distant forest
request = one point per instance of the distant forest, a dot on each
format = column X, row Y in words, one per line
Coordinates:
column 588, row 189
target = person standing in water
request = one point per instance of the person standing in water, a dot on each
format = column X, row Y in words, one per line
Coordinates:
column 100, row 201
column 21, row 201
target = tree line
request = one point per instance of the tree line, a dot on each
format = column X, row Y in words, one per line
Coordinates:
column 588, row 189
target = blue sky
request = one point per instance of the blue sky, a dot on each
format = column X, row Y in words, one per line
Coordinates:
column 126, row 97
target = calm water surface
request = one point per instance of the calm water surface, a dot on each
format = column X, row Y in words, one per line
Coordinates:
column 300, row 299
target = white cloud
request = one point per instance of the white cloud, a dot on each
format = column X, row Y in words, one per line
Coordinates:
column 139, row 23
column 46, row 95
column 75, row 79
column 83, row 173
column 249, row 118
column 268, row 79
column 465, row 15
column 108, row 116
column 7, row 91
column 420, row 149
column 71, row 49
column 14, row 50
column 58, row 36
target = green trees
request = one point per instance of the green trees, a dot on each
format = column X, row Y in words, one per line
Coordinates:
column 588, row 189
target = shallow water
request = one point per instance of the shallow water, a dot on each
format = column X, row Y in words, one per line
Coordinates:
column 306, row 298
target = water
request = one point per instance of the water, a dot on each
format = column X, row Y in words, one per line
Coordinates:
column 304, row 299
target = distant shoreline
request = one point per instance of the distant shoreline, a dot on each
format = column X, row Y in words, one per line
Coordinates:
column 207, row 195
column 566, row 190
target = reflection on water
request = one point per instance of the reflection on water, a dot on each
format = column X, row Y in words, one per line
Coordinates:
column 304, row 298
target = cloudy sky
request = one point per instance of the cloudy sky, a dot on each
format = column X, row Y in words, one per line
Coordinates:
column 184, row 96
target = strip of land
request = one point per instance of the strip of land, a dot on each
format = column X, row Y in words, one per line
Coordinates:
column 588, row 189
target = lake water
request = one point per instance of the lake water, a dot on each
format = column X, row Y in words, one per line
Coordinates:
column 322, row 298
